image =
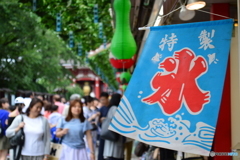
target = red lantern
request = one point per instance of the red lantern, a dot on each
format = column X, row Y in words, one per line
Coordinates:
column 118, row 77
column 121, row 63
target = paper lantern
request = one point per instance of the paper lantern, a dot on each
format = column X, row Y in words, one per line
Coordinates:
column 95, row 13
column 34, row 5
column 79, row 49
column 123, row 45
column 71, row 40
column 121, row 63
column 58, row 23
column 125, row 77
column 124, row 87
column 100, row 30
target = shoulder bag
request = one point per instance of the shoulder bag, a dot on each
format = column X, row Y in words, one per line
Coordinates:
column 19, row 138
column 105, row 132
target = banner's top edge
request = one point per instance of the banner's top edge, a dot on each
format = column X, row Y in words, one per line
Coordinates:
column 195, row 24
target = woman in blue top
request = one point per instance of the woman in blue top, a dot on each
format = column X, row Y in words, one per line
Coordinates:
column 4, row 143
column 72, row 130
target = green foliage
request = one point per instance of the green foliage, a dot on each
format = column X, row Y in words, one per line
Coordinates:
column 28, row 50
column 31, row 49
column 102, row 67
column 76, row 89
column 77, row 16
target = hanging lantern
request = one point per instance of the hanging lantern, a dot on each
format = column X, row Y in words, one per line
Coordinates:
column 123, row 45
column 125, row 77
column 124, row 87
column 98, row 72
column 79, row 49
column 34, row 5
column 58, row 22
column 104, row 41
column 95, row 13
column 71, row 39
column 86, row 89
column 121, row 63
column 100, row 30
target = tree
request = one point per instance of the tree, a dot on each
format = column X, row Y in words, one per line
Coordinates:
column 77, row 16
column 28, row 51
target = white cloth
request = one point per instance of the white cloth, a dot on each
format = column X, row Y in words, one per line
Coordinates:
column 85, row 111
column 65, row 110
column 54, row 118
column 33, row 128
column 73, row 154
column 27, row 102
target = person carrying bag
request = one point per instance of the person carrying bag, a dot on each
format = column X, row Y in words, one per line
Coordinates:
column 17, row 141
column 113, row 149
column 105, row 132
column 36, row 128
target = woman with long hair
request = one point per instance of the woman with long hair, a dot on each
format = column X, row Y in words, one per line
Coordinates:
column 37, row 132
column 72, row 130
column 114, row 150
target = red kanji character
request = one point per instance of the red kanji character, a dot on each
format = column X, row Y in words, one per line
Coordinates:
column 170, row 89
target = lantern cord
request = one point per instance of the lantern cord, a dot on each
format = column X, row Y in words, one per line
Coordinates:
column 160, row 16
column 145, row 27
column 169, row 12
column 215, row 14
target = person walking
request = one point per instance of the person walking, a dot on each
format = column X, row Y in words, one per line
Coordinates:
column 103, row 113
column 91, row 114
column 15, row 110
column 36, row 130
column 72, row 130
column 53, row 121
column 4, row 143
column 57, row 101
column 114, row 150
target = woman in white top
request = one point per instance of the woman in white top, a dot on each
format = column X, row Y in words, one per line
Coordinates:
column 37, row 132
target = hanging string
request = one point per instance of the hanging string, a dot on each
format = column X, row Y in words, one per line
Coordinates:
column 214, row 14
column 161, row 16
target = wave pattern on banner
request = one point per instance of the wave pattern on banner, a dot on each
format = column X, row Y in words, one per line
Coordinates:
column 174, row 130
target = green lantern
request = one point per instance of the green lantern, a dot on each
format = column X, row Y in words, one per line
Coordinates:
column 125, row 77
column 123, row 45
column 124, row 87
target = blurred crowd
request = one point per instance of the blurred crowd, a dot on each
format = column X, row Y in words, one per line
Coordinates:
column 76, row 124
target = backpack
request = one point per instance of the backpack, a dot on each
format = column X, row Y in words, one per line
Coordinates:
column 1, row 130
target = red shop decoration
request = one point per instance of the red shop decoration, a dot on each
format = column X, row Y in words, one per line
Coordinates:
column 118, row 77
column 121, row 63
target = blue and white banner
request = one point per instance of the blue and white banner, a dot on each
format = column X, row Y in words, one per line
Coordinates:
column 174, row 95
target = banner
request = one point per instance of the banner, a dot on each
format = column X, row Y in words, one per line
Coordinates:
column 174, row 95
